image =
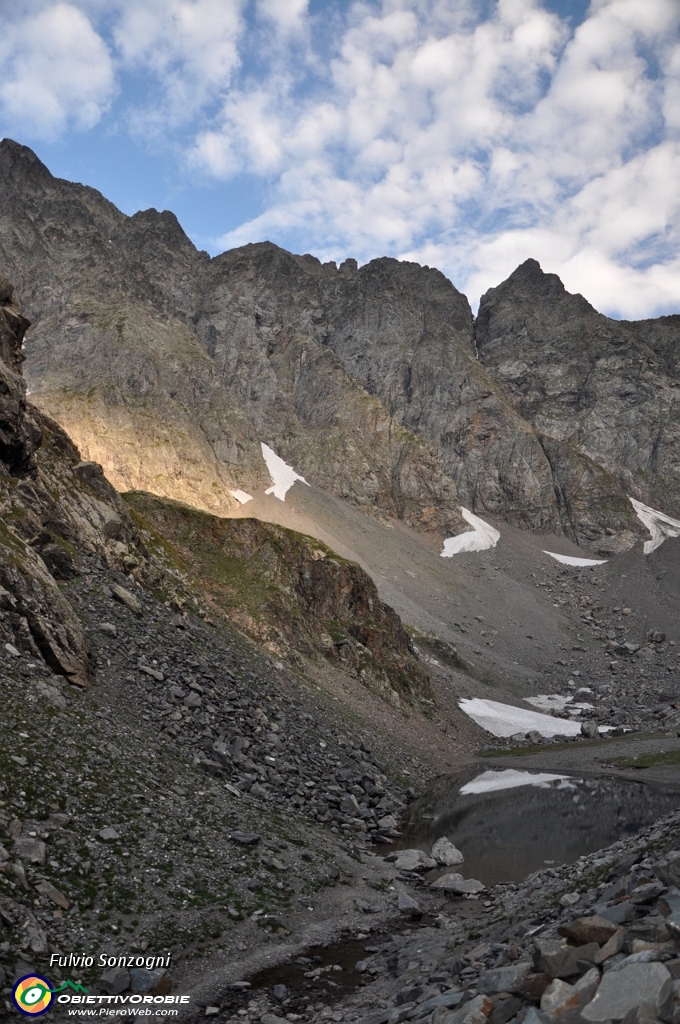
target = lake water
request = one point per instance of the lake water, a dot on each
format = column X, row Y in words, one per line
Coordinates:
column 509, row 823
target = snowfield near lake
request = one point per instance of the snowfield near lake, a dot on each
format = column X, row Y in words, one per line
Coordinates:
column 572, row 560
column 481, row 538
column 493, row 782
column 659, row 525
column 506, row 720
column 283, row 476
column 241, row 496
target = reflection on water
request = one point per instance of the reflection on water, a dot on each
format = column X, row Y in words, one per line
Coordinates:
column 510, row 823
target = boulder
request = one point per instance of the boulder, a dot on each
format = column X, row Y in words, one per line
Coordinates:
column 504, row 979
column 634, row 985
column 446, row 854
column 562, row 1003
column 588, row 929
column 414, row 860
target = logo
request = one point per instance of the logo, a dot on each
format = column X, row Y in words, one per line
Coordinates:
column 32, row 995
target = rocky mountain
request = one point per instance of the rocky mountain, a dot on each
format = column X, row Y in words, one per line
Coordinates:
column 124, row 705
column 375, row 383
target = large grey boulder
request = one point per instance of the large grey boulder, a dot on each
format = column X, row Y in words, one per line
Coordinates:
column 562, row 1003
column 446, row 854
column 635, row 985
column 414, row 860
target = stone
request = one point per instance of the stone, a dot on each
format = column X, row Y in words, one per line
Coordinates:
column 563, row 1003
column 153, row 672
column 212, row 1011
column 51, row 893
column 570, row 899
column 466, row 887
column 447, row 881
column 612, row 946
column 445, row 1001
column 32, row 850
column 407, row 906
column 588, row 929
column 590, row 730
column 279, row 992
column 620, row 913
column 570, row 960
column 475, row 1011
column 668, row 869
column 647, row 893
column 108, row 834
column 143, row 980
column 414, row 860
column 108, row 628
column 244, row 838
column 535, row 985
column 33, row 936
column 504, row 979
column 505, row 1007
column 350, row 805
column 387, row 823
column 652, row 928
column 115, row 980
column 446, row 854
column 123, row 596
column 633, row 985
column 534, row 1016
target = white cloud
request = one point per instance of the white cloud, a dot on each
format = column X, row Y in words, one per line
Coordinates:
column 465, row 135
column 55, row 72
column 190, row 47
column 472, row 144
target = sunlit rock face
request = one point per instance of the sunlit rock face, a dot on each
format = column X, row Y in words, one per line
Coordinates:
column 374, row 382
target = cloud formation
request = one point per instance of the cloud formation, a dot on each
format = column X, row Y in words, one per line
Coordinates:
column 464, row 135
column 56, row 72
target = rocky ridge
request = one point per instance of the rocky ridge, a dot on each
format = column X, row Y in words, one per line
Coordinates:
column 374, row 382
column 290, row 593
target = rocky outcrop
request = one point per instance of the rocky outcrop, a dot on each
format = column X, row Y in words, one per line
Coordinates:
column 375, row 383
column 607, row 389
column 290, row 593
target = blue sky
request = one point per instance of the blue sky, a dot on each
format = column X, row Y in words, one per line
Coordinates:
column 465, row 134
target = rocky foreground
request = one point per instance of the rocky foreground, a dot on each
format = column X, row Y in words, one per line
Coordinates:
column 587, row 943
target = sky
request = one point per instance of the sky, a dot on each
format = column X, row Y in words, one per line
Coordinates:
column 468, row 135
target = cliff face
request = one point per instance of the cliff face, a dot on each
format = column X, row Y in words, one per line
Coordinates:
column 375, row 383
column 605, row 388
column 283, row 590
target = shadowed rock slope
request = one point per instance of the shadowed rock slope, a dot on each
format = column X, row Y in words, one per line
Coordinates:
column 170, row 368
column 288, row 592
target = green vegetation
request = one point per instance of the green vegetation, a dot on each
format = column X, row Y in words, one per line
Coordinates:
column 650, row 760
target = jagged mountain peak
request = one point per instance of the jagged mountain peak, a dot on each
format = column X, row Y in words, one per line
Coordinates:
column 532, row 288
column 171, row 367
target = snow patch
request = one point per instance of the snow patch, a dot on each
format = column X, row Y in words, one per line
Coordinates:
column 241, row 496
column 571, row 560
column 506, row 720
column 659, row 525
column 283, row 476
column 483, row 536
column 492, row 782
